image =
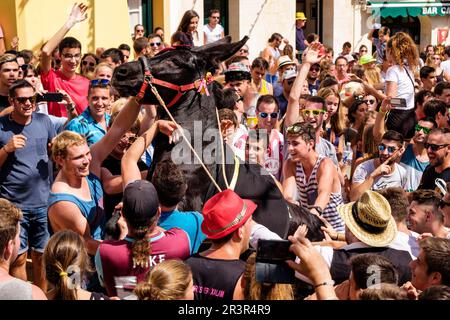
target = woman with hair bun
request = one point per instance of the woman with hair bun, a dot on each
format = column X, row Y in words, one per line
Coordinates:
column 169, row 280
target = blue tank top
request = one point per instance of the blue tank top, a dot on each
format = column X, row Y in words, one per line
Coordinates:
column 92, row 210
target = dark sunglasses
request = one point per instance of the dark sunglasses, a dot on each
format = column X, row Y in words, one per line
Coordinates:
column 314, row 69
column 100, row 83
column 155, row 44
column 24, row 67
column 382, row 147
column 23, row 100
column 243, row 51
column 85, row 62
column 435, row 147
column 273, row 115
column 369, row 101
column 425, row 130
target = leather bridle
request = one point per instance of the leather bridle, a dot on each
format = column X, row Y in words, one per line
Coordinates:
column 150, row 80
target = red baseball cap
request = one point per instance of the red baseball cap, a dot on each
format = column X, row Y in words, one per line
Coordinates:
column 224, row 213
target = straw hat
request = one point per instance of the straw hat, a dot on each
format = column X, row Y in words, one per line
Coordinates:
column 370, row 219
column 300, row 16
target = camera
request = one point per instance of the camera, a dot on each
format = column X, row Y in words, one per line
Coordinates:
column 271, row 267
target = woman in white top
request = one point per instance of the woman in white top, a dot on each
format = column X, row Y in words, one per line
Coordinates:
column 402, row 52
column 271, row 54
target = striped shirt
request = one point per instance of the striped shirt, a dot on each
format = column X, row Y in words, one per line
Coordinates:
column 308, row 192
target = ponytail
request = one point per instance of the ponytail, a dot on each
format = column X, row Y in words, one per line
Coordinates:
column 141, row 248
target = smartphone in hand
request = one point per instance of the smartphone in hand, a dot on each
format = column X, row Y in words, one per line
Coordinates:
column 50, row 97
column 398, row 102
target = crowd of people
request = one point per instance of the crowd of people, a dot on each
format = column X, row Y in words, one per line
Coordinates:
column 361, row 141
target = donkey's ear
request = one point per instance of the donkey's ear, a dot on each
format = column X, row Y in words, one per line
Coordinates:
column 220, row 50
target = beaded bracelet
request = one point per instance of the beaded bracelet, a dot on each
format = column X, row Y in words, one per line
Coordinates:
column 326, row 283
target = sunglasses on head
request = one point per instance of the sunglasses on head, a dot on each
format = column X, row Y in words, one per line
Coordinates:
column 22, row 100
column 155, row 44
column 314, row 112
column 297, row 128
column 382, row 147
column 435, row 147
column 425, row 130
column 85, row 62
column 100, row 83
column 273, row 115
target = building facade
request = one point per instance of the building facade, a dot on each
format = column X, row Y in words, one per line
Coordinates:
column 111, row 23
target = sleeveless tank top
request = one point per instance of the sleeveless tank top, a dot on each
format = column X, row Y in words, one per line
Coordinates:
column 214, row 279
column 92, row 210
column 264, row 87
column 15, row 289
column 308, row 192
column 116, row 256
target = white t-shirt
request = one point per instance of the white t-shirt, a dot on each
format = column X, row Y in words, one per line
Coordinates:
column 405, row 85
column 212, row 35
column 397, row 178
column 445, row 65
column 407, row 242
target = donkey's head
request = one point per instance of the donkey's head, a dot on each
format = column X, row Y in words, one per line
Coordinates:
column 178, row 66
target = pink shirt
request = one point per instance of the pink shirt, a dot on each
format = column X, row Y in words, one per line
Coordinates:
column 77, row 88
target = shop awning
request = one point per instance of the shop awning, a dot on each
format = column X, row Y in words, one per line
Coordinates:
column 409, row 8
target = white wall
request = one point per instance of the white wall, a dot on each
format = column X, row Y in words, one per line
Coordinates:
column 276, row 16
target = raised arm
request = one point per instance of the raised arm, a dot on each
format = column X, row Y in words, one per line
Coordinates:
column 78, row 14
column 101, row 149
column 130, row 169
column 379, row 127
column 289, row 184
column 310, row 56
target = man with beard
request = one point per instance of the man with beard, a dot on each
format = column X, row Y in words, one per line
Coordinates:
column 382, row 172
column 9, row 73
column 24, row 174
column 438, row 147
column 415, row 159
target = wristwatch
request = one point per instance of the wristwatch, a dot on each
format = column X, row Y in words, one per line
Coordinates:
column 318, row 209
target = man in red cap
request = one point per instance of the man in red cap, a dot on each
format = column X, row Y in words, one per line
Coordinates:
column 217, row 272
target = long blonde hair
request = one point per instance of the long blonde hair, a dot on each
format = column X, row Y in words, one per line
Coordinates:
column 168, row 280
column 373, row 76
column 64, row 255
column 263, row 291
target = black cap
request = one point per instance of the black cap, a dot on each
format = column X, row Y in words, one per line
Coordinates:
column 140, row 203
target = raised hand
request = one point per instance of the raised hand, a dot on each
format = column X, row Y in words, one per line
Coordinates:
column 78, row 13
column 311, row 55
column 168, row 128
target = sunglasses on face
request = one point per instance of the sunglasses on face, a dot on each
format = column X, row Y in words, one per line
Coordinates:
column 100, row 83
column 434, row 147
column 369, row 101
column 363, row 50
column 23, row 100
column 273, row 115
column 314, row 112
column 24, row 67
column 155, row 44
column 425, row 130
column 314, row 69
column 85, row 62
column 243, row 51
column 382, row 147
